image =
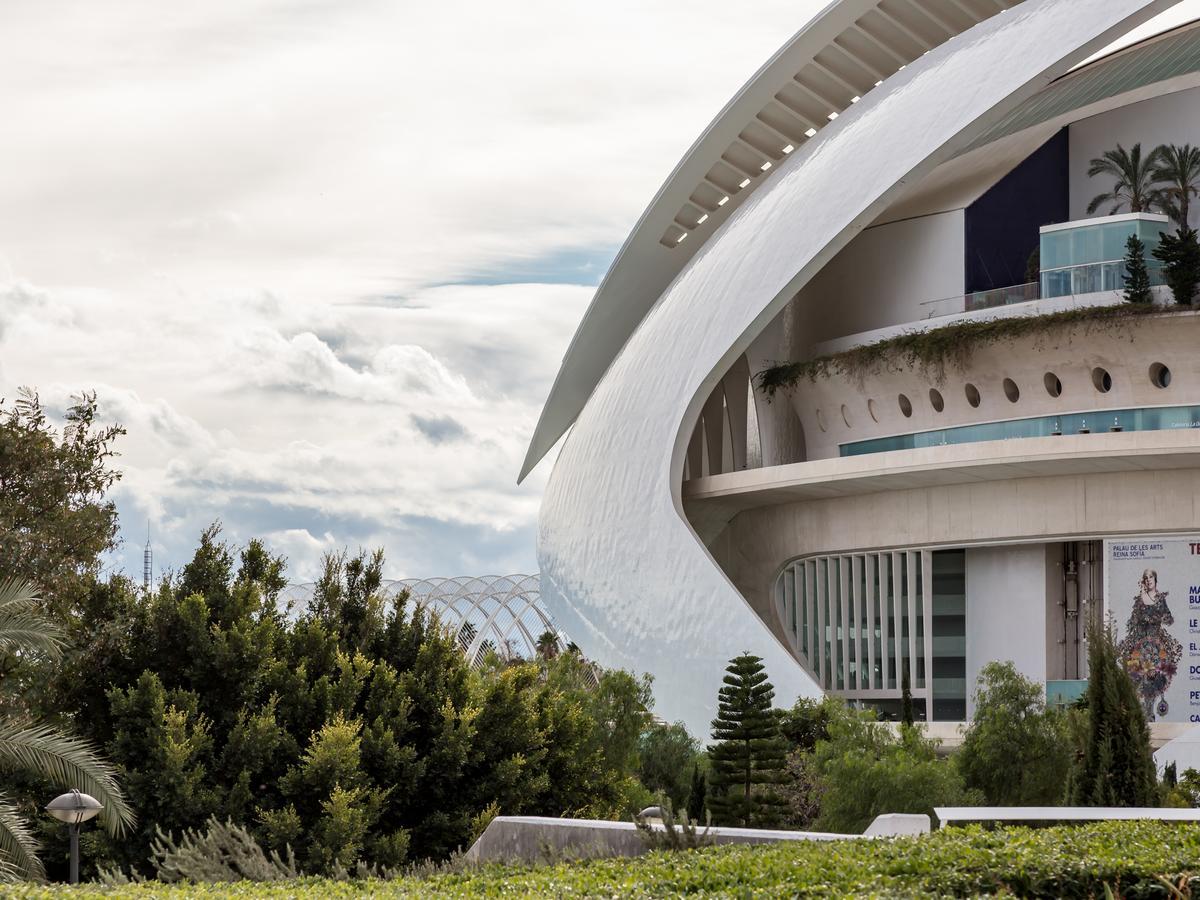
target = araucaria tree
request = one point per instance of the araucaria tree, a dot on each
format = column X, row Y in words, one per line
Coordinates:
column 1178, row 172
column 1180, row 256
column 1137, row 279
column 1117, row 768
column 1134, row 177
column 748, row 753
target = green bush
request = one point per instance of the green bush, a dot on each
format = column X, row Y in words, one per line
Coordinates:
column 1129, row 858
column 865, row 769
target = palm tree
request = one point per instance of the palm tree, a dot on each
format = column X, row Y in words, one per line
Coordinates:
column 37, row 748
column 1178, row 171
column 1135, row 179
column 547, row 645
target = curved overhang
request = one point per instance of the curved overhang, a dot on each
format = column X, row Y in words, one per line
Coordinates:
column 651, row 256
column 614, row 543
column 847, row 50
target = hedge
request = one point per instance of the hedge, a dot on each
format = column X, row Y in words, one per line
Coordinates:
column 1131, row 858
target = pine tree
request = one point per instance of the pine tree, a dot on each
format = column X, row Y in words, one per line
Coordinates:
column 696, row 796
column 749, row 753
column 1180, row 256
column 906, row 704
column 1117, row 768
column 1137, row 279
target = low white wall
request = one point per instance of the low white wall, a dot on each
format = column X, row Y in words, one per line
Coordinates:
column 1006, row 611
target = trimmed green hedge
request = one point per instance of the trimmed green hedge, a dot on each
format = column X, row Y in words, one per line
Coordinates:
column 1066, row 861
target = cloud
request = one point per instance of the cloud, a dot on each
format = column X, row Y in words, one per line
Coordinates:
column 323, row 258
column 439, row 429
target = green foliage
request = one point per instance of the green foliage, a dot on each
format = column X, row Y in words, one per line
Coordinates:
column 1180, row 256
column 673, row 835
column 54, row 520
column 865, row 769
column 697, row 800
column 1016, row 751
column 1178, row 174
column 808, row 721
column 221, row 852
column 1073, row 862
column 934, row 351
column 1135, row 178
column 668, row 756
column 1117, row 768
column 1137, row 279
column 351, row 730
column 748, row 753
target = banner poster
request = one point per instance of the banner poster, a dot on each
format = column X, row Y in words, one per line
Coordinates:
column 1152, row 592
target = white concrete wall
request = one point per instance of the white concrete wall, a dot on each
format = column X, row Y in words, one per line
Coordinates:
column 1170, row 119
column 1006, row 611
column 884, row 275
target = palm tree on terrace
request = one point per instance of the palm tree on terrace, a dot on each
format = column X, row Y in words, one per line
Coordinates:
column 1178, row 172
column 1135, row 179
column 37, row 748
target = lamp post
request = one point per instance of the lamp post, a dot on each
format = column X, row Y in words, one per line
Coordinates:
column 74, row 807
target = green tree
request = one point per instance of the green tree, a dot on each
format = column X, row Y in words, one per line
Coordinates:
column 55, row 522
column 547, row 644
column 32, row 748
column 1178, row 173
column 1117, row 768
column 865, row 769
column 1016, row 751
column 667, row 760
column 748, row 752
column 808, row 722
column 1135, row 179
column 1137, row 279
column 697, row 800
column 1180, row 256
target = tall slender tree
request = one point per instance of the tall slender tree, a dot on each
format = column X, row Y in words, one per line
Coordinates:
column 1135, row 180
column 748, row 754
column 1137, row 279
column 1117, row 768
column 1178, row 173
column 696, row 801
column 1180, row 256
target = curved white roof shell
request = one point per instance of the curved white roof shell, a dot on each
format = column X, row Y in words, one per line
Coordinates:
column 614, row 544
column 827, row 67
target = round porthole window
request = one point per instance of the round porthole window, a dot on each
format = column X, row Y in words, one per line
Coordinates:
column 1101, row 380
column 873, row 409
column 905, row 405
column 1053, row 385
column 1011, row 391
column 846, row 415
column 972, row 393
column 1160, row 375
column 936, row 401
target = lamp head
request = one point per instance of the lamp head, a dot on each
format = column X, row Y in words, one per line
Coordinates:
column 74, row 807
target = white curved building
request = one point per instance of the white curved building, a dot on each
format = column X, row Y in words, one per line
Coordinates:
column 890, row 170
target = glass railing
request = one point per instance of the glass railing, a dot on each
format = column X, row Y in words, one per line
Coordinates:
column 1005, row 296
column 1162, row 418
column 1093, row 278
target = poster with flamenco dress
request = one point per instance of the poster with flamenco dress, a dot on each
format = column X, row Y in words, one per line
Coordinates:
column 1152, row 592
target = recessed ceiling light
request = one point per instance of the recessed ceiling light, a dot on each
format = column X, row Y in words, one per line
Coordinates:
column 722, row 201
column 788, row 149
column 810, row 132
column 765, row 165
column 702, row 219
column 744, row 183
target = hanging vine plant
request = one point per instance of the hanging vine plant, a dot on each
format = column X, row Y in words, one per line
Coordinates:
column 935, row 351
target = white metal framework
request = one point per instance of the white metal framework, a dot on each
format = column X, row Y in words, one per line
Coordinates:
column 500, row 613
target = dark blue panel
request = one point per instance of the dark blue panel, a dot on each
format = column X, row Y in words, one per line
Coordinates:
column 1002, row 225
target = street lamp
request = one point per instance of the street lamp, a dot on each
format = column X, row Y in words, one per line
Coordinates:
column 74, row 807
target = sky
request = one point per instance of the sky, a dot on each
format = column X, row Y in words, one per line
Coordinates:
column 322, row 258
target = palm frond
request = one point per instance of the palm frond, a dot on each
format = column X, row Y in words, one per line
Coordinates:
column 18, row 847
column 70, row 761
column 23, row 629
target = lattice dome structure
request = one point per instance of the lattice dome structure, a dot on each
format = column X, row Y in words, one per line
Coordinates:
column 500, row 613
